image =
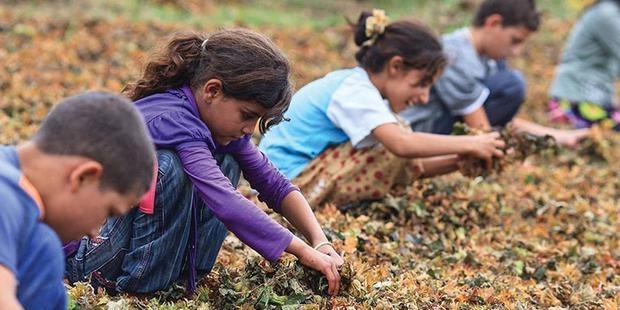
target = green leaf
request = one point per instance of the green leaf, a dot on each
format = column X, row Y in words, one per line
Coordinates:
column 518, row 267
column 71, row 304
column 295, row 299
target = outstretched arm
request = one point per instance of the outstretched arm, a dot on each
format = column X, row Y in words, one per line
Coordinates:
column 568, row 138
column 418, row 144
column 296, row 210
column 284, row 198
column 438, row 165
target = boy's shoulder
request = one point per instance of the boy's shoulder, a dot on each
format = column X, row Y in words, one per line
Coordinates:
column 10, row 173
column 457, row 37
column 15, row 202
column 8, row 154
column 29, row 247
column 463, row 58
column 457, row 42
column 19, row 209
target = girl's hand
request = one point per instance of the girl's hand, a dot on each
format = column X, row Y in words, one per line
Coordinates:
column 486, row 146
column 331, row 252
column 323, row 263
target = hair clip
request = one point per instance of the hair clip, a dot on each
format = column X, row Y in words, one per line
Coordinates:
column 204, row 43
column 375, row 26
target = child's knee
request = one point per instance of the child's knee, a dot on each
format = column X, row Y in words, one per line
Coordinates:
column 518, row 86
column 507, row 86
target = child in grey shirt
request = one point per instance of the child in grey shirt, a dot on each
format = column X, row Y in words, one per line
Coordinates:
column 477, row 87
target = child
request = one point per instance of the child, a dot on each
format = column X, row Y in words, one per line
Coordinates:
column 201, row 98
column 344, row 142
column 584, row 86
column 90, row 159
column 477, row 87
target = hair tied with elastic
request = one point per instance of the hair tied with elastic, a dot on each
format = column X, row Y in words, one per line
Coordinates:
column 375, row 26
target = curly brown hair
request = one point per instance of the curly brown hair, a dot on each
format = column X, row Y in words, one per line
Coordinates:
column 249, row 65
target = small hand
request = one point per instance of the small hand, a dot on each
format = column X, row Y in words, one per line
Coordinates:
column 323, row 263
column 487, row 146
column 331, row 252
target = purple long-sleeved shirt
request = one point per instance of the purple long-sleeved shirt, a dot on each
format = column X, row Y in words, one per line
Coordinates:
column 173, row 121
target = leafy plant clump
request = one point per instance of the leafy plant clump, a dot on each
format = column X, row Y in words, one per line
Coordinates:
column 519, row 146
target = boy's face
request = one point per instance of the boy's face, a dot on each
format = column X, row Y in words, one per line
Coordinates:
column 505, row 42
column 499, row 41
column 82, row 207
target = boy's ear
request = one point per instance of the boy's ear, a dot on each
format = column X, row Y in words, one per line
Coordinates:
column 84, row 173
column 395, row 66
column 211, row 89
column 493, row 20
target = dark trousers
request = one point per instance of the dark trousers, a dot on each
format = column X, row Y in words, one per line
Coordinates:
column 507, row 93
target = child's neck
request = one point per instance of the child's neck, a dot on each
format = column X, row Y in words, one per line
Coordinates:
column 39, row 168
column 378, row 80
column 477, row 39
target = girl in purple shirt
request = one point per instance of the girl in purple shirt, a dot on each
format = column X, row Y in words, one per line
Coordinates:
column 201, row 98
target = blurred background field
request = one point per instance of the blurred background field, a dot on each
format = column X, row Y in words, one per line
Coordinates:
column 54, row 48
column 543, row 234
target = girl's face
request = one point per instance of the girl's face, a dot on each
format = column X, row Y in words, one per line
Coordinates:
column 228, row 118
column 402, row 88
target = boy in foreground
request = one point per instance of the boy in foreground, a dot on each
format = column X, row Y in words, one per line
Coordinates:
column 90, row 159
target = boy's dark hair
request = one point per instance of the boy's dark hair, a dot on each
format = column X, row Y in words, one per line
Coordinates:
column 415, row 43
column 106, row 128
column 513, row 13
column 249, row 65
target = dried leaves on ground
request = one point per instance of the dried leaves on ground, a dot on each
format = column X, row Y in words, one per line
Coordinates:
column 542, row 234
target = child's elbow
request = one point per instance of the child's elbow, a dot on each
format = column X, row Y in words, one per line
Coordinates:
column 398, row 149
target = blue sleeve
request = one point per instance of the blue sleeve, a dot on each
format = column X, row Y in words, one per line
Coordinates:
column 11, row 214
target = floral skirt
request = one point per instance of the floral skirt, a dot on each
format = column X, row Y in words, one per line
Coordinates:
column 343, row 174
column 583, row 114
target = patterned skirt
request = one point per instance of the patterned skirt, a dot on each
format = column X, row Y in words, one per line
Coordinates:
column 583, row 114
column 343, row 174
